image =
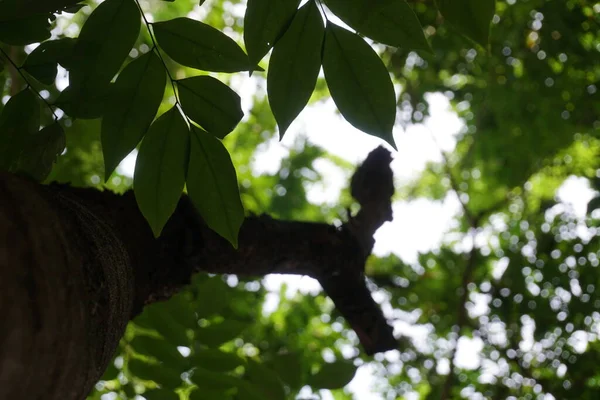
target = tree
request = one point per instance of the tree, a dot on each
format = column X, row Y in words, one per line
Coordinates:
column 506, row 166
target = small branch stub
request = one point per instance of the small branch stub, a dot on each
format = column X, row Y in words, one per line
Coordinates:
column 372, row 185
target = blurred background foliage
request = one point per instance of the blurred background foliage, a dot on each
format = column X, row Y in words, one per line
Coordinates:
column 516, row 276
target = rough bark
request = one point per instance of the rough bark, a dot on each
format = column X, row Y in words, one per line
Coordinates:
column 77, row 264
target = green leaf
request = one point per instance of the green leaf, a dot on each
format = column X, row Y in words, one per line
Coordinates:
column 160, row 318
column 213, row 294
column 215, row 335
column 134, row 101
column 294, row 66
column 211, row 394
column 166, row 377
column 19, row 121
column 212, row 186
column 15, row 9
column 359, row 83
column 40, row 152
column 160, row 394
column 104, row 42
column 289, row 368
column 470, row 17
column 593, row 204
column 249, row 391
column 391, row 22
column 160, row 168
column 333, row 375
column 213, row 381
column 111, row 372
column 22, row 31
column 265, row 380
column 160, row 349
column 41, row 62
column 200, row 46
column 77, row 103
column 264, row 22
column 216, row 360
column 211, row 104
column 180, row 309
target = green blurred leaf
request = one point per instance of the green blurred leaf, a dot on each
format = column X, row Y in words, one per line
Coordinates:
column 160, row 349
column 19, row 121
column 249, row 391
column 289, row 368
column 264, row 380
column 160, row 394
column 212, row 186
column 22, row 31
column 179, row 308
column 211, row 104
column 333, row 375
column 213, row 294
column 19, row 9
column 129, row 390
column 170, row 324
column 133, row 103
column 213, row 381
column 264, row 23
column 103, row 44
column 470, row 17
column 200, row 46
column 391, row 22
column 215, row 360
column 40, row 151
column 42, row 61
column 208, row 394
column 215, row 335
column 593, row 204
column 165, row 377
column 111, row 372
column 359, row 83
column 294, row 66
column 161, row 167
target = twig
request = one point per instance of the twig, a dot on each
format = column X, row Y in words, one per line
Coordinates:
column 461, row 312
column 473, row 219
column 26, row 80
column 155, row 49
column 461, row 319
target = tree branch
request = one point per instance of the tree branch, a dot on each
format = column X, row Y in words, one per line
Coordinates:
column 334, row 256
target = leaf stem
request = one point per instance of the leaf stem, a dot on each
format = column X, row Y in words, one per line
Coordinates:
column 26, row 80
column 157, row 51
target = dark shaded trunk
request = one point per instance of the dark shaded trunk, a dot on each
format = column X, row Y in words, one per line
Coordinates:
column 77, row 264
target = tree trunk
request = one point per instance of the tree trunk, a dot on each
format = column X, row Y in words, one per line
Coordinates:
column 77, row 264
